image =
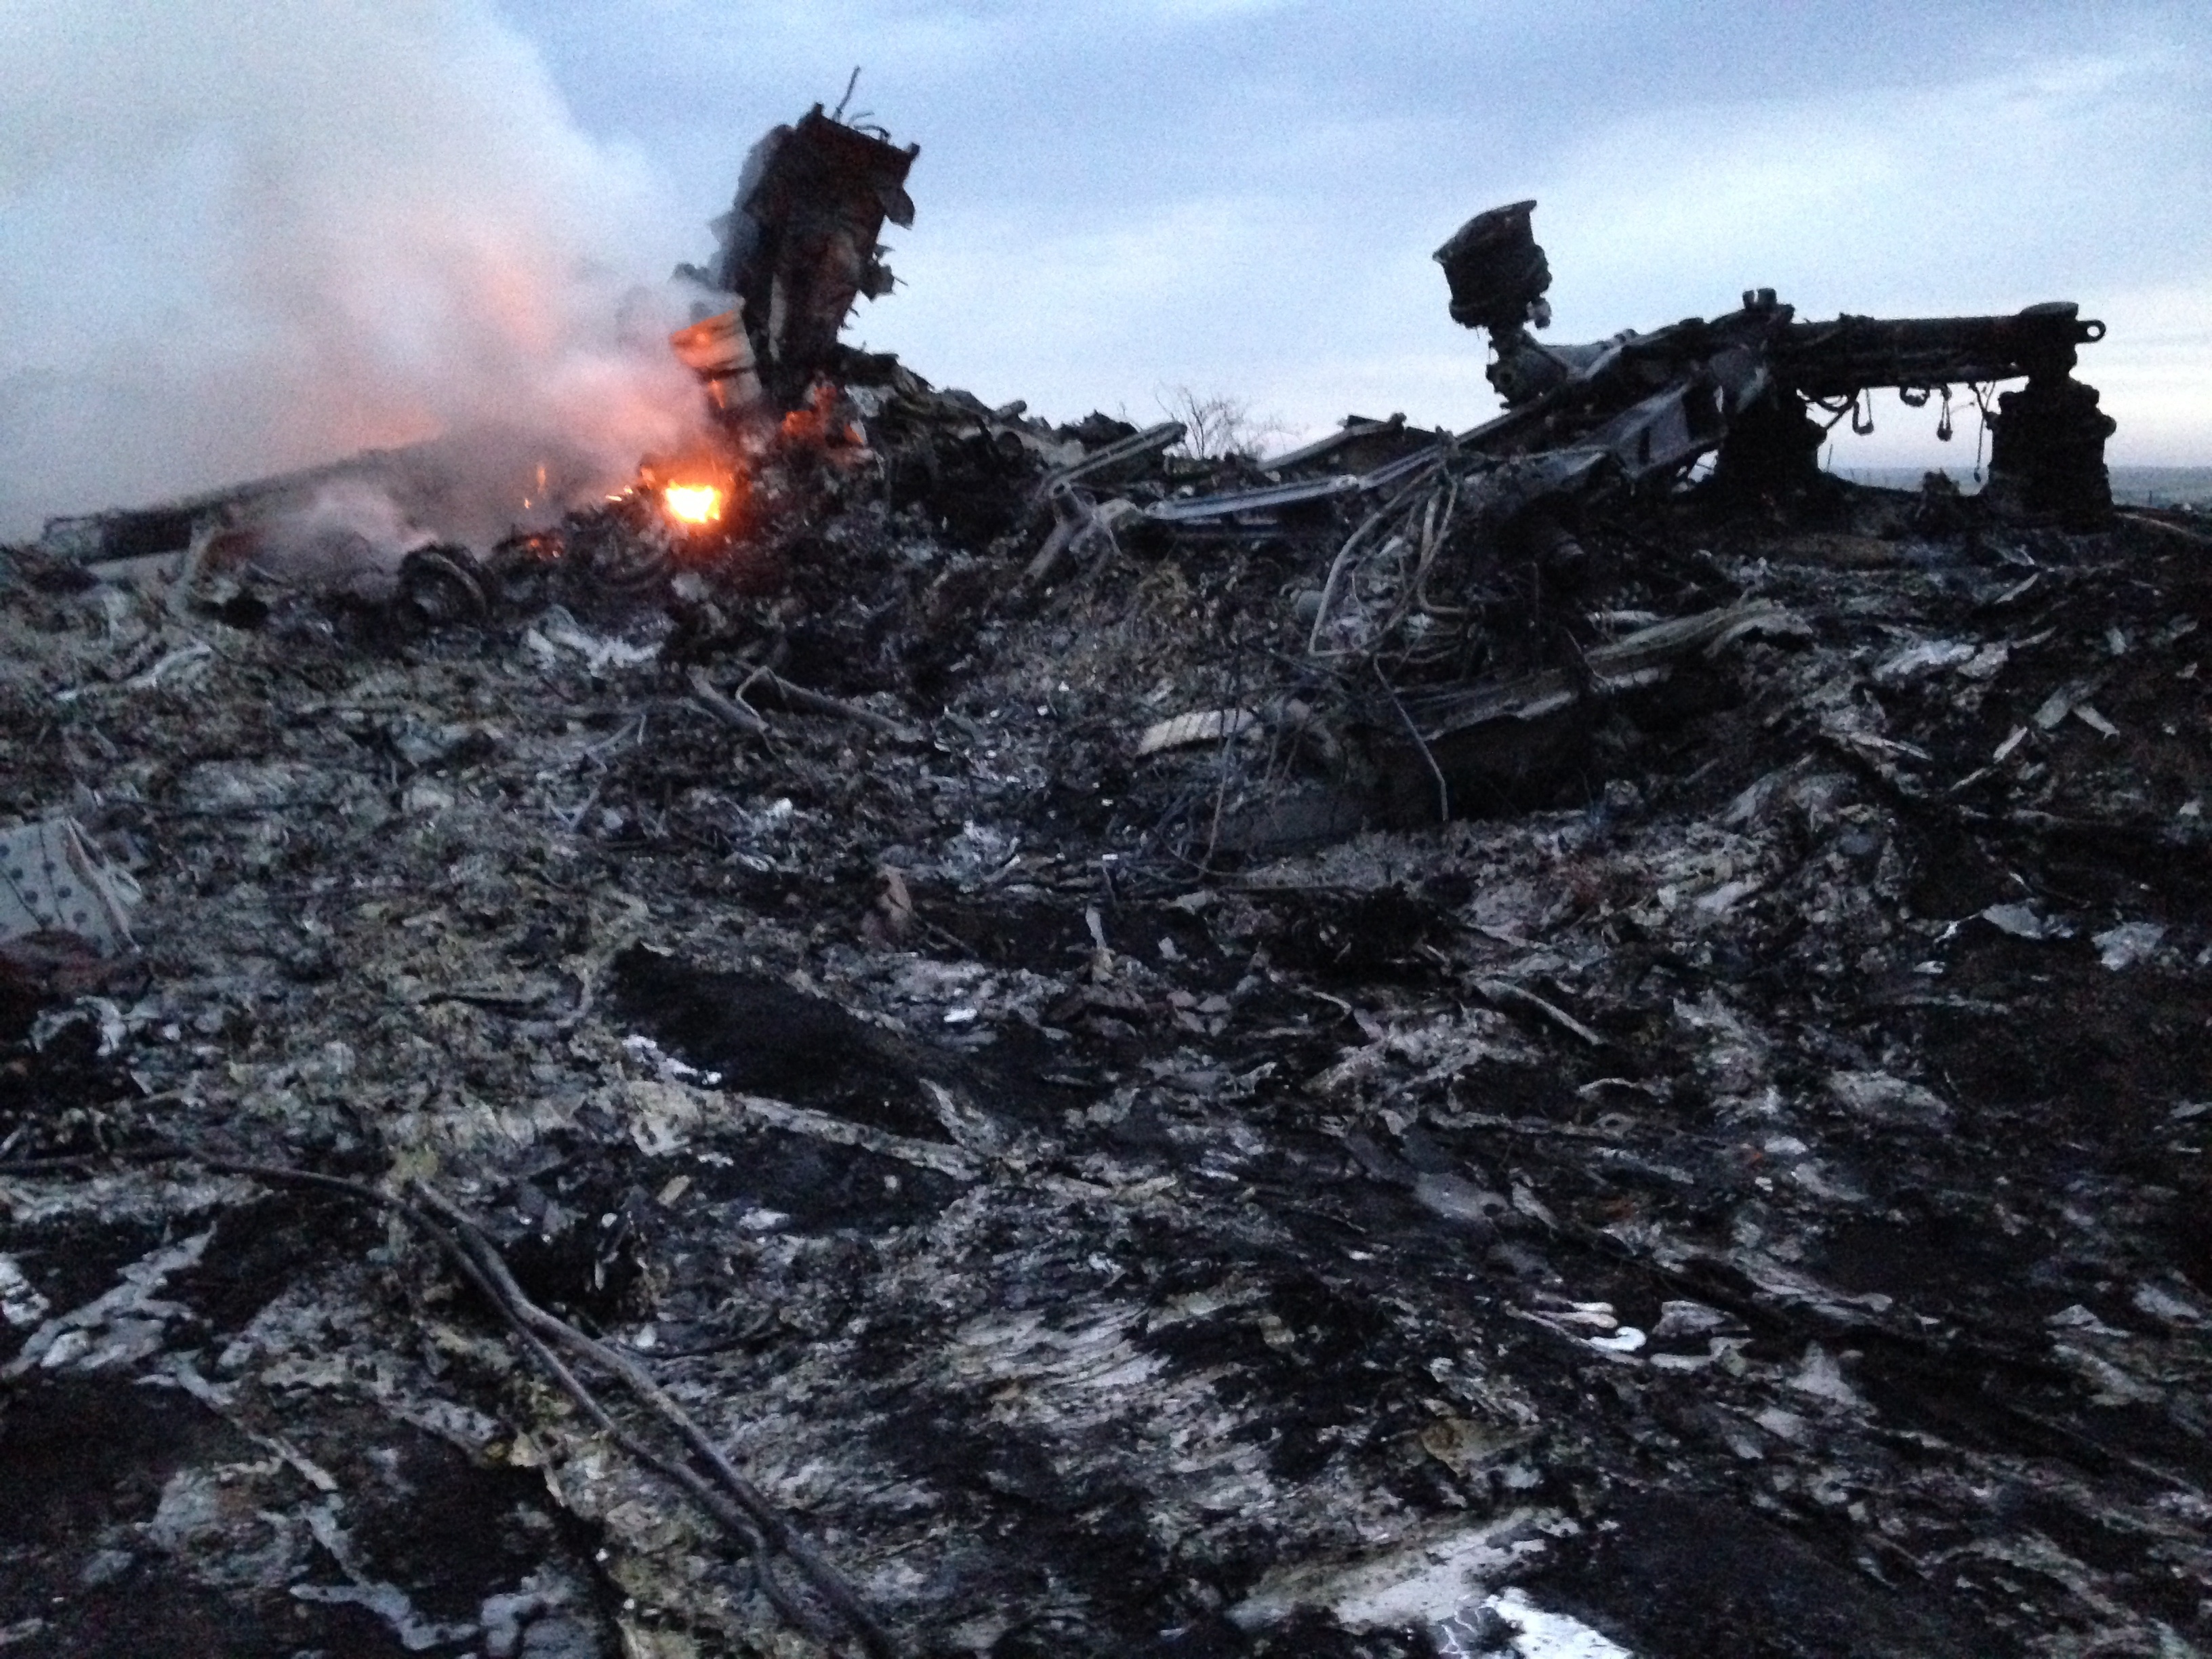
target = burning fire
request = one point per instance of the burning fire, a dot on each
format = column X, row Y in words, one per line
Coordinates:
column 696, row 505
column 703, row 496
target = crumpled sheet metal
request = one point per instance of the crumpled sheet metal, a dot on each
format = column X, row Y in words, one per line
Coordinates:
column 53, row 879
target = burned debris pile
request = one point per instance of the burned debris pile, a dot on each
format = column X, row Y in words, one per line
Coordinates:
column 941, row 1034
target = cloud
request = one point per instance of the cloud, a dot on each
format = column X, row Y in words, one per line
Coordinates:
column 2042, row 180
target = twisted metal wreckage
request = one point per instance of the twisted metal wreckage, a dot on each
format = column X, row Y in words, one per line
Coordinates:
column 1415, row 597
column 1395, row 628
column 1411, row 696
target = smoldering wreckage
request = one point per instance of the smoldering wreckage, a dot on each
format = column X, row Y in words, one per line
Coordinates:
column 929, row 1033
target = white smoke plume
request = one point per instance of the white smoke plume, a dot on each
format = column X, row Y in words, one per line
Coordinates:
column 242, row 236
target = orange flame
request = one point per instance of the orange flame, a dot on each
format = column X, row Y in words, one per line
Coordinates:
column 696, row 505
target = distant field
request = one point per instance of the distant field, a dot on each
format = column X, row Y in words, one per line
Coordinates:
column 2136, row 486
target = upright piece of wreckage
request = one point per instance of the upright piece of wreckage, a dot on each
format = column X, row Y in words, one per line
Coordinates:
column 797, row 248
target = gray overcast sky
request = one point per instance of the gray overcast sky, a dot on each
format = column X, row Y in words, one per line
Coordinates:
column 1243, row 196
column 241, row 235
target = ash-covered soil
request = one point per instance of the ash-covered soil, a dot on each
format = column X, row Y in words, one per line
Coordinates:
column 1747, row 1195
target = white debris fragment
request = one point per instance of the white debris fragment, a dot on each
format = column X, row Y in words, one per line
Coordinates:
column 99, row 1012
column 1821, row 1376
column 2109, row 1385
column 558, row 631
column 118, row 1328
column 1723, row 898
column 1598, row 1314
column 53, row 879
column 1782, row 1425
column 2088, row 715
column 1207, row 726
column 2075, row 1317
column 1886, row 1099
column 1986, row 663
column 2020, row 921
column 2165, row 1306
column 2129, row 943
column 21, row 1304
column 2057, row 707
column 390, row 1604
column 1927, row 657
column 1540, row 1634
column 1425, row 1580
column 665, row 1065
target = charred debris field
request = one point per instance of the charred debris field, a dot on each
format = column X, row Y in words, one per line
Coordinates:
column 934, row 1034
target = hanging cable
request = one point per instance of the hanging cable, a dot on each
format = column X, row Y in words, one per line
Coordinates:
column 1835, row 408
